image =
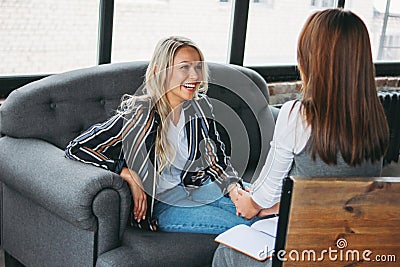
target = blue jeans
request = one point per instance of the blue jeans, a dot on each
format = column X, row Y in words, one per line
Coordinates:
column 201, row 210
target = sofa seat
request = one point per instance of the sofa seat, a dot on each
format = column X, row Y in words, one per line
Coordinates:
column 160, row 249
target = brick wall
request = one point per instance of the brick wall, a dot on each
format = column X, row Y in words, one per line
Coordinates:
column 285, row 91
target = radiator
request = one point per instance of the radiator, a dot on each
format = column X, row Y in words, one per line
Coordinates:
column 391, row 104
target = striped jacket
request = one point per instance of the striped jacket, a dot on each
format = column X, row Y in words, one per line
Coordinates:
column 128, row 140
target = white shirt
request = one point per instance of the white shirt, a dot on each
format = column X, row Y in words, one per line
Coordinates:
column 176, row 136
column 290, row 137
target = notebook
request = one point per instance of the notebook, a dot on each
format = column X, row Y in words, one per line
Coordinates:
column 256, row 241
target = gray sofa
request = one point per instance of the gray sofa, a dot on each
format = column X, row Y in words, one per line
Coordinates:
column 59, row 212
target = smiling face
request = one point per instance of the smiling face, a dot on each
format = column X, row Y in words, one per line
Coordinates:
column 185, row 77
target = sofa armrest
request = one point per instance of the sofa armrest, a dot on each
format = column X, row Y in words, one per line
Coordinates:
column 39, row 171
column 274, row 111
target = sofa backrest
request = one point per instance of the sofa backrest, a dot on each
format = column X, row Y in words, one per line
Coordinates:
column 59, row 107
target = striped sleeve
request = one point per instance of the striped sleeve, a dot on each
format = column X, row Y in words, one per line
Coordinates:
column 91, row 146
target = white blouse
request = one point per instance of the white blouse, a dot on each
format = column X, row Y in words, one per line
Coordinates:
column 290, row 137
column 176, row 136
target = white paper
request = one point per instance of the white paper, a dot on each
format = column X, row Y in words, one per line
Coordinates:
column 268, row 226
column 257, row 241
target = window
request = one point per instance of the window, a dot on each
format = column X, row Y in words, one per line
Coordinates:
column 266, row 3
column 272, row 33
column 255, row 1
column 138, row 26
column 328, row 3
column 323, row 3
column 385, row 37
column 47, row 36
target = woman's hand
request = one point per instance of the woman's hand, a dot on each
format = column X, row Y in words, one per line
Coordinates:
column 139, row 196
column 245, row 205
column 268, row 211
column 233, row 192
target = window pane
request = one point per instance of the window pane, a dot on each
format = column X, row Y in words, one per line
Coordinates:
column 385, row 40
column 47, row 36
column 140, row 24
column 273, row 30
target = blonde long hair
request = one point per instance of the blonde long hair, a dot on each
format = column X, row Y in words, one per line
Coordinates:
column 155, row 91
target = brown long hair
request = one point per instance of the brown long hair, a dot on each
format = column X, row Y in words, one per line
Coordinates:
column 340, row 100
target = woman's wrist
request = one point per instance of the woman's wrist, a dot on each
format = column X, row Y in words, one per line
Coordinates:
column 274, row 210
column 232, row 186
column 130, row 177
column 255, row 205
column 233, row 191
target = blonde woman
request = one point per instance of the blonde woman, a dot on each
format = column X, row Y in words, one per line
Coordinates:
column 167, row 146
